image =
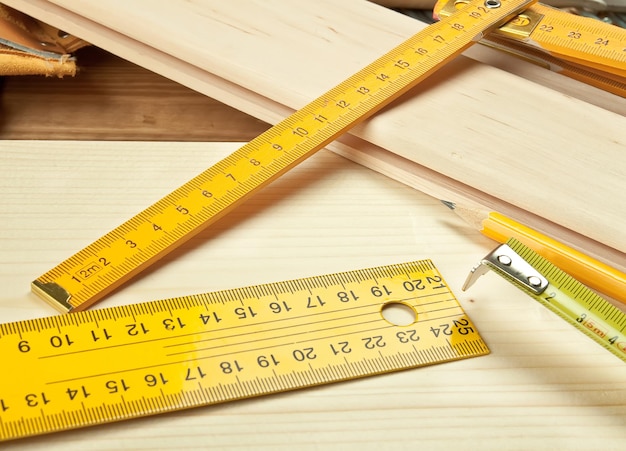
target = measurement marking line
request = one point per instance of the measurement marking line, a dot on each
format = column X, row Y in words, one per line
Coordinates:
column 187, row 361
column 233, row 328
column 50, row 356
column 452, row 307
column 429, row 304
column 298, row 333
column 206, row 332
column 273, row 337
column 289, row 326
column 423, row 296
column 264, row 323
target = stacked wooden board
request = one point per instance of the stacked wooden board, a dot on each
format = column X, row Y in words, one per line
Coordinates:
column 549, row 152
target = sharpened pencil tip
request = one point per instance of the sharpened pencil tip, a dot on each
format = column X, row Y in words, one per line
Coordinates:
column 450, row 205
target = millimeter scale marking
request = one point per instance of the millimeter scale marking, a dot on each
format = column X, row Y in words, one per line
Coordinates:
column 95, row 271
column 105, row 365
column 559, row 292
column 579, row 47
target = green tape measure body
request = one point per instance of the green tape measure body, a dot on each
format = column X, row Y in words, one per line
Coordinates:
column 575, row 303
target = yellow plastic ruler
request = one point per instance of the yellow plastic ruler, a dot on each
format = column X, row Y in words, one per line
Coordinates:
column 559, row 292
column 583, row 48
column 104, row 365
column 113, row 259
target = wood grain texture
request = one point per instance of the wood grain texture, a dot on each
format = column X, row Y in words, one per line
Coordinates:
column 113, row 99
column 105, row 94
column 482, row 127
column 544, row 386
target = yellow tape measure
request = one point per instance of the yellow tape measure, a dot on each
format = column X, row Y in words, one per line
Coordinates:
column 105, row 365
column 113, row 259
column 582, row 48
column 559, row 292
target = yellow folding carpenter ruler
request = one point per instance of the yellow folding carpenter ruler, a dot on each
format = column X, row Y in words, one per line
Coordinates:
column 582, row 48
column 120, row 254
column 105, row 365
column 559, row 292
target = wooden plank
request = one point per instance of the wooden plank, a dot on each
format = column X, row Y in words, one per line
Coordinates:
column 520, row 143
column 111, row 91
column 545, row 386
column 112, row 99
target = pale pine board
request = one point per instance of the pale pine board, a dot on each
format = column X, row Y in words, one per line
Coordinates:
column 520, row 143
column 544, row 386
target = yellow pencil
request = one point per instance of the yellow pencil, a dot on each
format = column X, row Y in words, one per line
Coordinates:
column 587, row 270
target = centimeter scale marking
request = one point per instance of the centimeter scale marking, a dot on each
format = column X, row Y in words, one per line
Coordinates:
column 99, row 366
column 583, row 40
column 578, row 305
column 582, row 48
column 559, row 292
column 122, row 253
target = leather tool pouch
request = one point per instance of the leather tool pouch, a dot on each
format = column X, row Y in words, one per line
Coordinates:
column 30, row 47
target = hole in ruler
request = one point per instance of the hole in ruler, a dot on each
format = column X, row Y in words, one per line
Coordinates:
column 398, row 313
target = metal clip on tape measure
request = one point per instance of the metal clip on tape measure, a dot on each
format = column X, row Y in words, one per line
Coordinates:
column 122, row 253
column 559, row 292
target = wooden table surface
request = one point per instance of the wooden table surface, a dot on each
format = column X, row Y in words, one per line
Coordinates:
column 78, row 166
column 112, row 99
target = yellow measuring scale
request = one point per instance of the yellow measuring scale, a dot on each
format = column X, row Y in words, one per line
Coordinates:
column 559, row 292
column 104, row 265
column 582, row 48
column 105, row 365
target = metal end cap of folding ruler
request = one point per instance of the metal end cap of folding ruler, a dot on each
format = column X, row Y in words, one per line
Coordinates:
column 53, row 294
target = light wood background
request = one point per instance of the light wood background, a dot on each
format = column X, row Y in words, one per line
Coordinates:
column 112, row 99
column 268, row 58
column 544, row 386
